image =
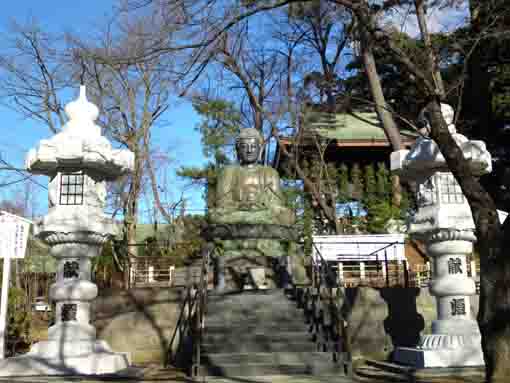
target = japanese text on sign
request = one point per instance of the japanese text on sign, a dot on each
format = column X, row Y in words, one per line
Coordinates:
column 13, row 236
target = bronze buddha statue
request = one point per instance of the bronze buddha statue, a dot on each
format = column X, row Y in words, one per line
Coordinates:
column 249, row 224
column 250, row 193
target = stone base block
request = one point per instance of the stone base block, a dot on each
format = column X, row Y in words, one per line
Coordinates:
column 467, row 356
column 67, row 332
column 67, row 358
column 50, row 349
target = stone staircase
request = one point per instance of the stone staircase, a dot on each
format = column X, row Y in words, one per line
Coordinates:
column 256, row 333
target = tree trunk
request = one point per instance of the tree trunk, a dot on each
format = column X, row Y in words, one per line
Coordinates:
column 431, row 57
column 131, row 215
column 396, row 191
column 390, row 128
column 494, row 315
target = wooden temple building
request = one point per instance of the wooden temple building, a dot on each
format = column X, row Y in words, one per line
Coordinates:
column 348, row 138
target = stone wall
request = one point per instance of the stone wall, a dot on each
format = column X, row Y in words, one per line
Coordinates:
column 380, row 320
column 140, row 321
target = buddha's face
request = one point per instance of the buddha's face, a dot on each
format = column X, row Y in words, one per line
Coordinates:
column 248, row 150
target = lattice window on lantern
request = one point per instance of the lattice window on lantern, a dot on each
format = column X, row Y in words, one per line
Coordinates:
column 450, row 189
column 71, row 188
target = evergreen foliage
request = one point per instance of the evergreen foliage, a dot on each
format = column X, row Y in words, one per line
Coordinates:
column 19, row 316
column 343, row 183
column 220, row 124
column 218, row 128
column 357, row 182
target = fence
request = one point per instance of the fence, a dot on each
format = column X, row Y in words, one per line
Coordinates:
column 390, row 273
column 159, row 271
column 151, row 271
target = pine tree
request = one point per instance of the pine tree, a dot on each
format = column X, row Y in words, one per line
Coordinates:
column 357, row 182
column 383, row 181
column 343, row 183
column 370, row 183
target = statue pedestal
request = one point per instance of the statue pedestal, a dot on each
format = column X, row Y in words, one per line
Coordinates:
column 256, row 279
column 243, row 248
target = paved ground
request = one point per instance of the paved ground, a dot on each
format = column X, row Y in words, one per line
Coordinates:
column 172, row 379
column 156, row 374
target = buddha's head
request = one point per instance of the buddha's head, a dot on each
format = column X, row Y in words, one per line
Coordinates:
column 248, row 146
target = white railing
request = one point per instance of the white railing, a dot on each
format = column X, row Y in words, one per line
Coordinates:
column 151, row 271
column 391, row 273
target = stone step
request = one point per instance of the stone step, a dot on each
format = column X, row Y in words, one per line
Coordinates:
column 234, row 346
column 251, row 315
column 243, row 327
column 242, row 296
column 255, row 304
column 277, row 363
column 259, row 337
column 255, row 317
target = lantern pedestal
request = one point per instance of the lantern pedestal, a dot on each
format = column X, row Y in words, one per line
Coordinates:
column 455, row 340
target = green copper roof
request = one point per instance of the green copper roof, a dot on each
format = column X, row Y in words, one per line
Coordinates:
column 344, row 127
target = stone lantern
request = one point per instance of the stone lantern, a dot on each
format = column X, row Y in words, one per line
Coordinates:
column 445, row 224
column 79, row 162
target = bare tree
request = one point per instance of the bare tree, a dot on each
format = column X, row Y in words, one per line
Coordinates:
column 33, row 75
column 132, row 98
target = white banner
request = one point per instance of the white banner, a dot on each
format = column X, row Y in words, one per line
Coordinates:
column 13, row 236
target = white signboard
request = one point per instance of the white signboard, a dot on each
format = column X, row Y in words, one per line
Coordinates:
column 13, row 236
column 360, row 248
column 13, row 243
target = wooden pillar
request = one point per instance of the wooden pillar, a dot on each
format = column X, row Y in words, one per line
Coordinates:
column 362, row 270
column 340, row 274
column 150, row 274
column 171, row 270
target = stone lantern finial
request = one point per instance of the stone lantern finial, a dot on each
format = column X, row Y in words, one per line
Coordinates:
column 81, row 112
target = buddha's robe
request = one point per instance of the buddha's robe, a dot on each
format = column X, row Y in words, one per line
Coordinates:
column 250, row 195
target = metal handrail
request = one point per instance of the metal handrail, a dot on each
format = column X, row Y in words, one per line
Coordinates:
column 182, row 325
column 201, row 309
column 329, row 274
column 194, row 304
column 326, row 274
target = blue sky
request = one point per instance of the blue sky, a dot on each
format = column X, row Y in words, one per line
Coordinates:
column 179, row 137
column 18, row 135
